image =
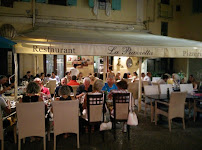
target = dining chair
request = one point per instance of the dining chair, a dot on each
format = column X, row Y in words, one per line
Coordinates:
column 1, row 132
column 150, row 90
column 133, row 88
column 31, row 121
column 95, row 112
column 74, row 87
column 189, row 89
column 66, row 118
column 175, row 106
column 197, row 107
column 51, row 85
column 121, row 109
column 164, row 88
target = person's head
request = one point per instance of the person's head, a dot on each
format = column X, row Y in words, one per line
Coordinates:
column 191, row 78
column 53, row 74
column 75, row 65
column 125, row 76
column 90, row 74
column 165, row 78
column 149, row 74
column 37, row 75
column 67, row 73
column 28, row 73
column 95, row 74
column 64, row 90
column 135, row 73
column 48, row 75
column 86, row 82
column 80, row 75
column 111, row 80
column 63, row 81
column 3, row 79
column 73, row 77
column 110, row 68
column 98, row 84
column 143, row 75
column 33, row 88
column 122, row 84
column 38, row 81
column 42, row 75
column 128, row 75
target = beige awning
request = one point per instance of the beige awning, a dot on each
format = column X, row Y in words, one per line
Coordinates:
column 106, row 43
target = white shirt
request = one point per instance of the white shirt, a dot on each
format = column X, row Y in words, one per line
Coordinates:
column 2, row 103
column 74, row 71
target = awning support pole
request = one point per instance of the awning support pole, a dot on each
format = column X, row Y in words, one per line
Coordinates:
column 16, row 73
column 140, row 85
column 105, row 68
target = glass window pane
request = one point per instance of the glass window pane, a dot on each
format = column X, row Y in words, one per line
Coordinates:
column 49, row 64
column 60, row 66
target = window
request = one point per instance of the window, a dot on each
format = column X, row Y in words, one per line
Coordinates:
column 63, row 2
column 164, row 28
column 60, row 66
column 165, row 2
column 7, row 3
column 49, row 64
column 197, row 6
column 178, row 8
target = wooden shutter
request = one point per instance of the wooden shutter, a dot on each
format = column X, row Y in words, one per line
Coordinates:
column 116, row 4
column 91, row 3
column 72, row 2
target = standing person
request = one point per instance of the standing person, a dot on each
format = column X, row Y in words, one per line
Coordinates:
column 135, row 76
column 110, row 85
column 73, row 81
column 74, row 71
column 55, row 77
column 110, row 73
column 28, row 77
column 62, row 82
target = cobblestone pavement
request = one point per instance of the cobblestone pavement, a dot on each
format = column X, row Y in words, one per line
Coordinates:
column 145, row 136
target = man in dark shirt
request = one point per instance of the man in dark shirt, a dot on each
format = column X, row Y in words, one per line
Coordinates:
column 62, row 82
column 28, row 77
column 84, row 88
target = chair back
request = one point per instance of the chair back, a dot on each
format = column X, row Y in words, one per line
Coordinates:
column 133, row 88
column 145, row 83
column 51, row 85
column 66, row 117
column 74, row 87
column 186, row 88
column 31, row 119
column 151, row 89
column 128, row 80
column 177, row 104
column 1, row 127
column 95, row 103
column 164, row 88
column 121, row 105
column 155, row 79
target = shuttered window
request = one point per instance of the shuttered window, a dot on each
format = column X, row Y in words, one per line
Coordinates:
column 91, row 3
column 116, row 4
column 197, row 6
column 72, row 2
column 41, row 1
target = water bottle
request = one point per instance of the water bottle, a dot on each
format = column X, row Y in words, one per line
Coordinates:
column 168, row 93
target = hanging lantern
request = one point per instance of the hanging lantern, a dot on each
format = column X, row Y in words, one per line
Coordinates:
column 7, row 31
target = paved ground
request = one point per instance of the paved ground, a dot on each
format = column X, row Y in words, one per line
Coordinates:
column 145, row 136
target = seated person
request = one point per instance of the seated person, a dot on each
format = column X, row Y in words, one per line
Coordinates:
column 28, row 77
column 32, row 93
column 110, row 85
column 193, row 82
column 163, row 80
column 43, row 89
column 62, row 82
column 64, row 93
column 73, row 81
column 3, row 80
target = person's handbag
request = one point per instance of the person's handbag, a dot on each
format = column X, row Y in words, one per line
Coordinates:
column 132, row 117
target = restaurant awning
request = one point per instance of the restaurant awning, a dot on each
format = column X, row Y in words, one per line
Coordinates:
column 5, row 43
column 106, row 43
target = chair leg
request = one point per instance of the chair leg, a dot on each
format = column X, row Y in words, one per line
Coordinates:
column 78, row 144
column 152, row 113
column 44, row 142
column 194, row 110
column 128, row 128
column 183, row 123
column 2, row 143
column 15, row 133
column 89, row 132
column 169, row 124
column 19, row 143
column 54, row 142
